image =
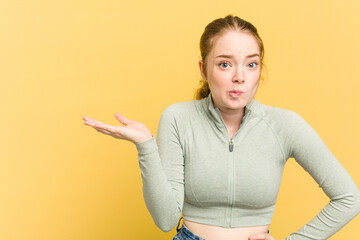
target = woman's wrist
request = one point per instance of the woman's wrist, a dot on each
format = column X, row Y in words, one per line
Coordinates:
column 145, row 138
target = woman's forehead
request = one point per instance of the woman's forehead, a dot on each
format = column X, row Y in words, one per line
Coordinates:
column 235, row 43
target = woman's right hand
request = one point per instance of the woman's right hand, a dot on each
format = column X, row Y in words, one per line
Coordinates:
column 133, row 131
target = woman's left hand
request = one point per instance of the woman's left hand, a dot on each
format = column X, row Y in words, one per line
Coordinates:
column 261, row 236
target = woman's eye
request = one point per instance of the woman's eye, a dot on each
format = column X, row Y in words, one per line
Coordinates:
column 253, row 65
column 224, row 65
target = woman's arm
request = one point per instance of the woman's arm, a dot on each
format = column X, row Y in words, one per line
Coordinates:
column 161, row 164
column 162, row 172
column 306, row 146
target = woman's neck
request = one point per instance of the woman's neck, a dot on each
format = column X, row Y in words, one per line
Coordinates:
column 232, row 119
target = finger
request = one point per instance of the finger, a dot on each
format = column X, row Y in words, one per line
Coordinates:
column 104, row 126
column 95, row 121
column 122, row 119
column 269, row 237
column 260, row 236
column 103, row 131
column 90, row 121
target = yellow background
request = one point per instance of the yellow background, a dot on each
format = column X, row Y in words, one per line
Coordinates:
column 61, row 60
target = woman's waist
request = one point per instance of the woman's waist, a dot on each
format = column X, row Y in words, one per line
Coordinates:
column 212, row 232
column 228, row 216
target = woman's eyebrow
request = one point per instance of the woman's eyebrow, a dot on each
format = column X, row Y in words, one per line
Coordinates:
column 232, row 56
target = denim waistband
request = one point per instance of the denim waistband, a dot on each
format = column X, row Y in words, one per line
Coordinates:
column 185, row 233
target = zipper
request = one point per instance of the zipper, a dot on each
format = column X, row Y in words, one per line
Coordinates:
column 231, row 183
column 231, row 145
column 232, row 175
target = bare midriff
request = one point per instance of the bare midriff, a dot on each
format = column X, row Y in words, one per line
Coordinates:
column 210, row 232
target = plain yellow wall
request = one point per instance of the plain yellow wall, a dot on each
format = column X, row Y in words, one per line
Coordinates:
column 61, row 60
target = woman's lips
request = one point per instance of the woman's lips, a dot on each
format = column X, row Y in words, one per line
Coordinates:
column 235, row 93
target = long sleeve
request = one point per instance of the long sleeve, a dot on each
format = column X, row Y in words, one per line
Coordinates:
column 305, row 145
column 162, row 172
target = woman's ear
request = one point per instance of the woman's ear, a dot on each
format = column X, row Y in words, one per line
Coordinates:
column 201, row 66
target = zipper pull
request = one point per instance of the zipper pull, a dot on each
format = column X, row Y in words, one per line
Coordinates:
column 231, row 145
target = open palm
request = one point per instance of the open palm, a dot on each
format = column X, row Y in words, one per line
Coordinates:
column 133, row 131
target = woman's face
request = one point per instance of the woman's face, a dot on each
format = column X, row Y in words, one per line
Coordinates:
column 233, row 70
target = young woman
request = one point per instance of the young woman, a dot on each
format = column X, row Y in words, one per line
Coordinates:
column 218, row 160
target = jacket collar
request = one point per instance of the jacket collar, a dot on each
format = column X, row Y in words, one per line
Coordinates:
column 214, row 113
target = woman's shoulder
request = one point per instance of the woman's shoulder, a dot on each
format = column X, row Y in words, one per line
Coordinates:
column 278, row 115
column 182, row 109
column 286, row 124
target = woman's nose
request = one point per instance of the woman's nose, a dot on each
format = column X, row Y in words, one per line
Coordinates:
column 239, row 75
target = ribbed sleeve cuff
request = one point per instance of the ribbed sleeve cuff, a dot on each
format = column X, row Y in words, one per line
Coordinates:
column 147, row 147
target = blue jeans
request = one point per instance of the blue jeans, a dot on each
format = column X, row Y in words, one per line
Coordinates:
column 184, row 233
